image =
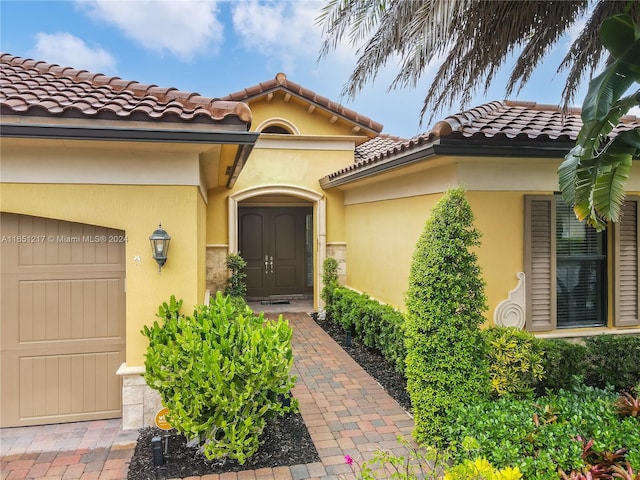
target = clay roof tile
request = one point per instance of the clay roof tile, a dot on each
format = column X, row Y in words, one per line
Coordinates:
column 506, row 121
column 53, row 90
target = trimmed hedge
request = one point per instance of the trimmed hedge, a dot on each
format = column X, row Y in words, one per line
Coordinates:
column 378, row 326
column 601, row 361
column 564, row 363
column 613, row 360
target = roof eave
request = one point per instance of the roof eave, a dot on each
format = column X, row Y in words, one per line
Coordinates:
column 378, row 168
column 242, row 155
column 240, row 137
column 451, row 147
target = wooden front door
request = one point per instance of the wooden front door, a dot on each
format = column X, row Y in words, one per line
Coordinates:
column 275, row 243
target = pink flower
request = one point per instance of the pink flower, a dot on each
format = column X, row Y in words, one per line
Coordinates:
column 348, row 459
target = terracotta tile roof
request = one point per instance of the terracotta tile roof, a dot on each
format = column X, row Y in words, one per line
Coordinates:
column 282, row 82
column 376, row 146
column 496, row 123
column 30, row 87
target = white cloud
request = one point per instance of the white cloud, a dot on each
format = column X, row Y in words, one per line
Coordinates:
column 285, row 33
column 181, row 27
column 65, row 49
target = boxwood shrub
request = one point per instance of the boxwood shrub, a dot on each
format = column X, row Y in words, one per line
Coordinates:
column 613, row 360
column 446, row 352
column 598, row 361
column 564, row 363
column 379, row 326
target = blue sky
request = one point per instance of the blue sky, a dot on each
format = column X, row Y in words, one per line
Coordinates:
column 218, row 47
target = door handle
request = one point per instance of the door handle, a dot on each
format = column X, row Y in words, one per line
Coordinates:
column 271, row 264
column 266, row 264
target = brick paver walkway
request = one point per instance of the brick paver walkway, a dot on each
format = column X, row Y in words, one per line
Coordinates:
column 97, row 450
column 346, row 412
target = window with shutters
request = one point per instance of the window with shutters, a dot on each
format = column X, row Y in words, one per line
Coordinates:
column 567, row 263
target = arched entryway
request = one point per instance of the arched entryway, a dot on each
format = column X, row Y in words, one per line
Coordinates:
column 282, row 232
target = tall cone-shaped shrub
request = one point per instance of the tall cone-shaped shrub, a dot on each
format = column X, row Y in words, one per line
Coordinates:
column 445, row 364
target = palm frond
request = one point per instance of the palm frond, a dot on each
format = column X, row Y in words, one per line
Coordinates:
column 386, row 44
column 488, row 33
column 472, row 38
column 586, row 53
column 543, row 36
column 608, row 190
column 355, row 18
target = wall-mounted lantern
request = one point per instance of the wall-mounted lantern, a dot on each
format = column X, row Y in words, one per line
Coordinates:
column 160, row 246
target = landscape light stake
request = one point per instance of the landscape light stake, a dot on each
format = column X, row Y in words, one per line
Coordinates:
column 156, row 450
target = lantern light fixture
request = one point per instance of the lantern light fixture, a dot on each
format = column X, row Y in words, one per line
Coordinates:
column 160, row 246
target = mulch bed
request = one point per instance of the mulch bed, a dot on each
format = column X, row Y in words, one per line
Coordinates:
column 285, row 440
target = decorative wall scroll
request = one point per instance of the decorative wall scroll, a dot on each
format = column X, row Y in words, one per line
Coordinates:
column 511, row 312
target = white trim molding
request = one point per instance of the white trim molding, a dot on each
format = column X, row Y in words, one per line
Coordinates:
column 278, row 122
column 589, row 332
column 512, row 311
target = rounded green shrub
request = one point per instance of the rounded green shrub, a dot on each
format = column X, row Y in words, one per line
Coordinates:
column 221, row 372
column 515, row 361
column 446, row 355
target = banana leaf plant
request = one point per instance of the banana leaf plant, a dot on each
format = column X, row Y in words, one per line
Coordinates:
column 594, row 173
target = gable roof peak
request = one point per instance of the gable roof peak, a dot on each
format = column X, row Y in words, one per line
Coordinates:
column 281, row 78
column 281, row 82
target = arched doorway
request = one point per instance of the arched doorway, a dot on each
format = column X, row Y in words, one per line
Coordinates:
column 280, row 230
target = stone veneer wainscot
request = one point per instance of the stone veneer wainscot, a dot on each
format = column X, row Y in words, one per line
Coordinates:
column 140, row 403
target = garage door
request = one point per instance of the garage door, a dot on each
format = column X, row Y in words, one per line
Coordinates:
column 62, row 324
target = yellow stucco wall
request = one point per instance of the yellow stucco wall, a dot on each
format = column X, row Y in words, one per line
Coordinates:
column 381, row 237
column 500, row 218
column 282, row 167
column 297, row 112
column 201, row 247
column 136, row 210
